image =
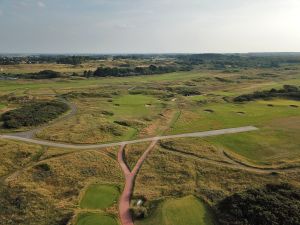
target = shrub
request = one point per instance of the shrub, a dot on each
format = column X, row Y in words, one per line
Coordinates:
column 270, row 205
column 288, row 91
column 139, row 212
column 44, row 74
column 33, row 114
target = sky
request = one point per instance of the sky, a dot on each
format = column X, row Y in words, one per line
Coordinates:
column 149, row 26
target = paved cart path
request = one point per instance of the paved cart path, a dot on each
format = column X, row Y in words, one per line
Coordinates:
column 157, row 138
column 124, row 202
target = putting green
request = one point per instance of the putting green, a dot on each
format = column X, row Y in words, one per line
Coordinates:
column 96, row 219
column 187, row 210
column 99, row 196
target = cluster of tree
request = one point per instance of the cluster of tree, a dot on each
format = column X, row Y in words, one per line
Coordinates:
column 225, row 61
column 72, row 60
column 45, row 74
column 120, row 72
column 184, row 90
column 288, row 91
column 33, row 114
column 270, row 205
column 60, row 59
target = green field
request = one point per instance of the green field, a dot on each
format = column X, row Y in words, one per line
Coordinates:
column 278, row 121
column 96, row 219
column 182, row 211
column 2, row 106
column 99, row 196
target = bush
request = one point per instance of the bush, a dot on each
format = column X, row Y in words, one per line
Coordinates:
column 33, row 114
column 288, row 91
column 45, row 74
column 271, row 205
column 139, row 212
column 120, row 72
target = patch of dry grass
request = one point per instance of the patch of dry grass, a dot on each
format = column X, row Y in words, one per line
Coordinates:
column 165, row 174
column 15, row 155
column 56, row 182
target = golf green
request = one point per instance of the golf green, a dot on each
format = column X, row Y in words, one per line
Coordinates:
column 99, row 196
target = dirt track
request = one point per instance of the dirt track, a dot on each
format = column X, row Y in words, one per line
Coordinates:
column 124, row 202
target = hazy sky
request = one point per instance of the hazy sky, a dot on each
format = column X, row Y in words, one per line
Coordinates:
column 149, row 26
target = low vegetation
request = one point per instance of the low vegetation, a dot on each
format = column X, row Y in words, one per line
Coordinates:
column 121, row 72
column 273, row 204
column 33, row 114
column 288, row 91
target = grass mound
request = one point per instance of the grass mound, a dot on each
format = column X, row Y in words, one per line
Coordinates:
column 99, row 196
column 33, row 114
column 96, row 219
column 182, row 211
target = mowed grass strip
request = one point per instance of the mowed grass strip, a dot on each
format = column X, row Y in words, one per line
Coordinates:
column 99, row 196
column 96, row 219
column 187, row 210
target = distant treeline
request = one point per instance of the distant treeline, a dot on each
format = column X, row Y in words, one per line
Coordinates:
column 288, row 91
column 225, row 61
column 59, row 59
column 121, row 72
column 215, row 61
column 45, row 74
column 33, row 114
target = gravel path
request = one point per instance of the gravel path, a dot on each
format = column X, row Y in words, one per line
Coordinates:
column 93, row 146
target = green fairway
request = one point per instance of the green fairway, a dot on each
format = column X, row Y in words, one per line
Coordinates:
column 270, row 145
column 234, row 115
column 99, row 196
column 277, row 120
column 96, row 219
column 187, row 210
column 135, row 106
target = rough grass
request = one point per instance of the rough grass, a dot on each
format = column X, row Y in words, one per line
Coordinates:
column 16, row 155
column 96, row 219
column 99, row 196
column 182, row 211
column 49, row 190
column 134, row 152
column 90, row 125
column 165, row 174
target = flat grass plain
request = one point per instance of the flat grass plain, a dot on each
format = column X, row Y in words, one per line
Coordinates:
column 178, row 173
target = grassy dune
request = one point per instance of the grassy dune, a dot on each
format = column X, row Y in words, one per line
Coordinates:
column 182, row 211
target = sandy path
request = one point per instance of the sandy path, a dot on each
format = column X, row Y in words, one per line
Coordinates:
column 124, row 202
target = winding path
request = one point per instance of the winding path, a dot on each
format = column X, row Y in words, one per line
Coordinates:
column 124, row 202
column 93, row 146
column 30, row 134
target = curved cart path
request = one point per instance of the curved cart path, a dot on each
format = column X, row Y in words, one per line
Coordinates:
column 30, row 134
column 124, row 202
column 93, row 146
